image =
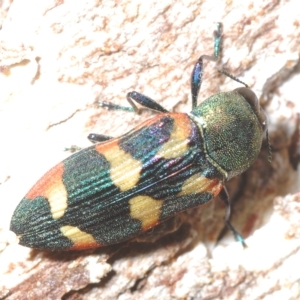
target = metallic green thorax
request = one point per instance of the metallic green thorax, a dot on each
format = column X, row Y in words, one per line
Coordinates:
column 232, row 125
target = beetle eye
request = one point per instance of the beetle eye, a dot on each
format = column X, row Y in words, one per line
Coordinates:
column 251, row 98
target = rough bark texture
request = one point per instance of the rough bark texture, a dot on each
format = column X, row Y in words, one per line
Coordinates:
column 58, row 58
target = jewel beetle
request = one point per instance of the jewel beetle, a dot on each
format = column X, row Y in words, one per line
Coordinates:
column 120, row 187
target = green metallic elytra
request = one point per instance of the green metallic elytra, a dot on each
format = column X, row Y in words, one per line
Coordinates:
column 233, row 135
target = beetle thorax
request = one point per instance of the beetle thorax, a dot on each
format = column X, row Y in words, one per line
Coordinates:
column 231, row 130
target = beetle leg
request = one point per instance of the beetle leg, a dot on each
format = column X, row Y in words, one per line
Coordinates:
column 137, row 97
column 197, row 73
column 145, row 101
column 96, row 138
column 225, row 198
column 113, row 106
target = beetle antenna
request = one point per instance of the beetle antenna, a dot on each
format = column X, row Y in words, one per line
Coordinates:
column 222, row 71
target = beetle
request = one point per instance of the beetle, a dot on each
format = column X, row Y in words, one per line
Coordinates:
column 120, row 187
